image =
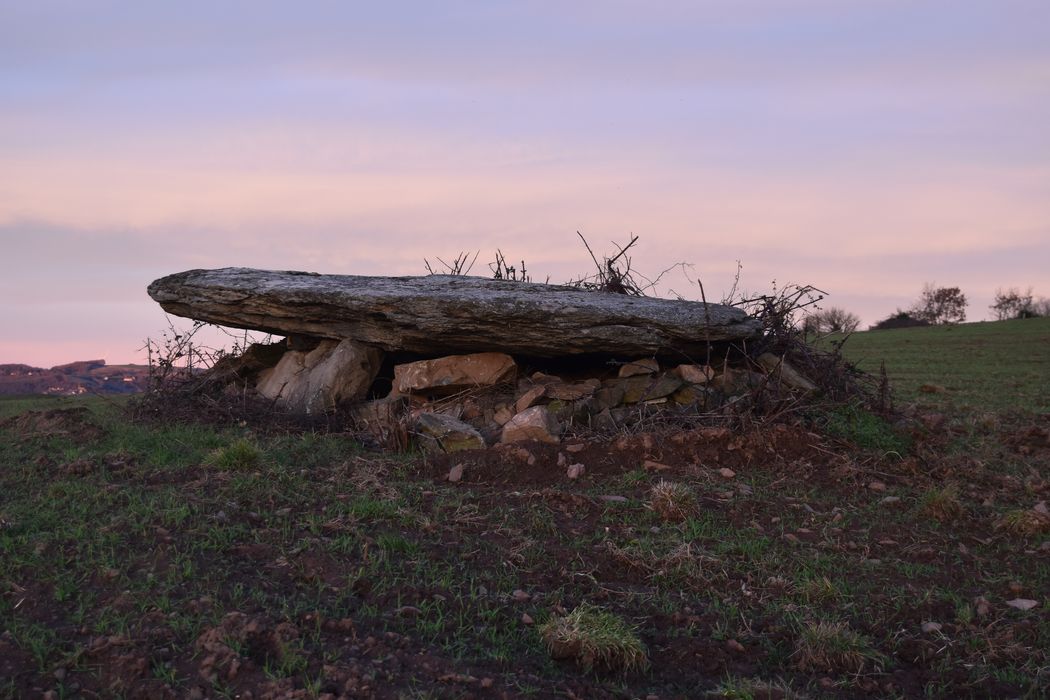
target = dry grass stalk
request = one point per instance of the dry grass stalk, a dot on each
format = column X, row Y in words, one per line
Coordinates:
column 1024, row 522
column 672, row 501
column 371, row 477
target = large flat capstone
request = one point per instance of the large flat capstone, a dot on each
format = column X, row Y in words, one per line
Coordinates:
column 439, row 314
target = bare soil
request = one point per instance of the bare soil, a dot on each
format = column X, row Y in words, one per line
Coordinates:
column 373, row 576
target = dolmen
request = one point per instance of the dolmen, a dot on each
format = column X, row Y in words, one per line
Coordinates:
column 446, row 336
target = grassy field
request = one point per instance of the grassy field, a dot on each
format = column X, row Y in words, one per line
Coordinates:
column 883, row 560
column 986, row 366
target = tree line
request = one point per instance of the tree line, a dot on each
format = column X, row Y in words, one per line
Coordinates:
column 935, row 306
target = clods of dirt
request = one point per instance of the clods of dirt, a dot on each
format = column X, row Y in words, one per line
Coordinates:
column 75, row 423
column 1032, row 438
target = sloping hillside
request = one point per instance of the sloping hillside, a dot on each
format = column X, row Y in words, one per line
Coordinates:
column 90, row 376
column 991, row 366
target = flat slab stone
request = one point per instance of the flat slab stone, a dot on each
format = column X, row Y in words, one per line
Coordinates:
column 440, row 314
column 454, row 373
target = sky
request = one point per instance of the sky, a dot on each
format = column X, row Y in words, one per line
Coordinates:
column 864, row 147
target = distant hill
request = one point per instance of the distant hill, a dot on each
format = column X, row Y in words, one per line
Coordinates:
column 84, row 377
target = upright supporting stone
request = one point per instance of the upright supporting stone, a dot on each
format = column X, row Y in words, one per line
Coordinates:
column 316, row 381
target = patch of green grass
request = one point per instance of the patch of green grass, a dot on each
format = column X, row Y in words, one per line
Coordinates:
column 630, row 480
column 394, row 543
column 818, row 589
column 240, row 455
column 988, row 366
column 41, row 642
column 863, row 428
column 311, row 450
column 289, row 661
column 369, row 508
column 733, row 688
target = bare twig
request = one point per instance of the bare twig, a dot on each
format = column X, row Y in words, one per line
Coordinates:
column 460, row 265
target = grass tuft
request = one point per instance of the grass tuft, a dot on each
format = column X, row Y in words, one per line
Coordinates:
column 818, row 590
column 673, row 502
column 239, row 455
column 1024, row 522
column 832, row 647
column 942, row 504
column 595, row 639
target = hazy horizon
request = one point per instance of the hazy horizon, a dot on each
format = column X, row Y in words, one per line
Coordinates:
column 865, row 148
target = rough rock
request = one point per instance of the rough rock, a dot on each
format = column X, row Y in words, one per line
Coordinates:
column 608, row 397
column 503, row 413
column 256, row 358
column 779, row 368
column 528, row 399
column 933, row 421
column 739, row 381
column 605, row 421
column 572, row 391
column 694, row 374
column 381, row 417
column 446, row 375
column 316, row 381
column 663, row 386
column 634, row 388
column 645, row 365
column 442, row 433
column 691, row 394
column 640, row 389
column 534, row 423
column 450, row 314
